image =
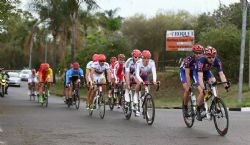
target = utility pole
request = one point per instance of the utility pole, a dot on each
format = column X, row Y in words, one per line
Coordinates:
column 242, row 50
column 31, row 46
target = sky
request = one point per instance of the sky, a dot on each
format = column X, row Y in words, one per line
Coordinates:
column 149, row 8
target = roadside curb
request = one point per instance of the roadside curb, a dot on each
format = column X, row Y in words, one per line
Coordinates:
column 242, row 109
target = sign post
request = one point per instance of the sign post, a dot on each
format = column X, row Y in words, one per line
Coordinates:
column 179, row 40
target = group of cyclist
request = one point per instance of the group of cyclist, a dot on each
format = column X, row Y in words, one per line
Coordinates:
column 136, row 69
column 198, row 66
column 38, row 79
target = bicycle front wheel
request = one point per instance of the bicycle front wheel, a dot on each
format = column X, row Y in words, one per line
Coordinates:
column 46, row 100
column 101, row 106
column 220, row 116
column 77, row 101
column 111, row 101
column 149, row 109
column 189, row 119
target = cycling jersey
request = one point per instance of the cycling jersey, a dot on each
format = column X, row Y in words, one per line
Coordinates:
column 71, row 73
column 143, row 71
column 45, row 75
column 88, row 66
column 130, row 66
column 188, row 62
column 32, row 78
column 112, row 69
column 202, row 65
column 120, row 71
column 99, row 71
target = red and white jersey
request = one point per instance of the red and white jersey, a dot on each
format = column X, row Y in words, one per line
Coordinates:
column 99, row 70
column 119, row 71
column 130, row 66
column 88, row 66
column 142, row 71
column 112, row 69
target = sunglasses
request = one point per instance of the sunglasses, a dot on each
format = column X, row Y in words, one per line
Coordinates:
column 136, row 57
column 197, row 53
column 210, row 57
column 101, row 61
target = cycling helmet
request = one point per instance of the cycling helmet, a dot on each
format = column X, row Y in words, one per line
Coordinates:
column 121, row 56
column 95, row 57
column 102, row 58
column 33, row 71
column 136, row 53
column 210, row 51
column 75, row 65
column 197, row 48
column 113, row 59
column 46, row 65
column 146, row 54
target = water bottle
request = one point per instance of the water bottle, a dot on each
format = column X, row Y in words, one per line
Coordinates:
column 193, row 98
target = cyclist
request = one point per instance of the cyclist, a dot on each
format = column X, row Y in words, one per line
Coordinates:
column 143, row 68
column 72, row 78
column 65, row 88
column 186, row 72
column 97, row 76
column 45, row 76
column 203, row 71
column 113, row 62
column 32, row 79
column 88, row 78
column 119, row 71
column 130, row 71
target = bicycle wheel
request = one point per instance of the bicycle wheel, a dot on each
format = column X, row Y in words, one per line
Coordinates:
column 149, row 109
column 3, row 91
column 220, row 116
column 189, row 120
column 101, row 106
column 127, row 108
column 46, row 100
column 111, row 101
column 77, row 101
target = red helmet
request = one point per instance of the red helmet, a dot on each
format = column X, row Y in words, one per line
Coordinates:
column 95, row 57
column 76, row 65
column 113, row 59
column 46, row 65
column 102, row 57
column 197, row 48
column 121, row 56
column 210, row 51
column 146, row 54
column 33, row 71
column 136, row 53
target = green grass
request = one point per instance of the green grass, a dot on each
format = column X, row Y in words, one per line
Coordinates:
column 171, row 92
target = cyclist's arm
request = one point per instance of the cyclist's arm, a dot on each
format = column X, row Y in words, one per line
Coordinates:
column 153, row 69
column 108, row 74
column 200, row 77
column 187, row 73
column 92, row 75
column 222, row 76
column 115, row 72
column 137, row 73
column 81, row 76
column 87, row 75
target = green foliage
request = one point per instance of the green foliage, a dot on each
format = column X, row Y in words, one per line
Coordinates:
column 110, row 45
column 226, row 39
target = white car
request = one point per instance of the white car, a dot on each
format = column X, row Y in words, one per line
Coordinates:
column 24, row 74
column 14, row 79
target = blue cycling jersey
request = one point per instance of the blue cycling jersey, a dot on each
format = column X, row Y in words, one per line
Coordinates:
column 71, row 72
column 202, row 65
column 188, row 62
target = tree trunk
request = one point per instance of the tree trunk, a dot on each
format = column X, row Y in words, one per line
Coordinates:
column 156, row 57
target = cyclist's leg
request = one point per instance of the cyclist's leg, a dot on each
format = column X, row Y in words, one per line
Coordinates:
column 185, row 87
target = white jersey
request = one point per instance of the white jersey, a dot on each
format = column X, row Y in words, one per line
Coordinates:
column 119, row 70
column 142, row 70
column 32, row 78
column 100, row 69
column 112, row 69
column 88, row 66
column 130, row 66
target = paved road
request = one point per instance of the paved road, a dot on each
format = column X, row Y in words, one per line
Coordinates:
column 26, row 123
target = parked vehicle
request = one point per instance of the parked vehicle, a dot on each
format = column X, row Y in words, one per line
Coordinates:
column 14, row 79
column 24, row 74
